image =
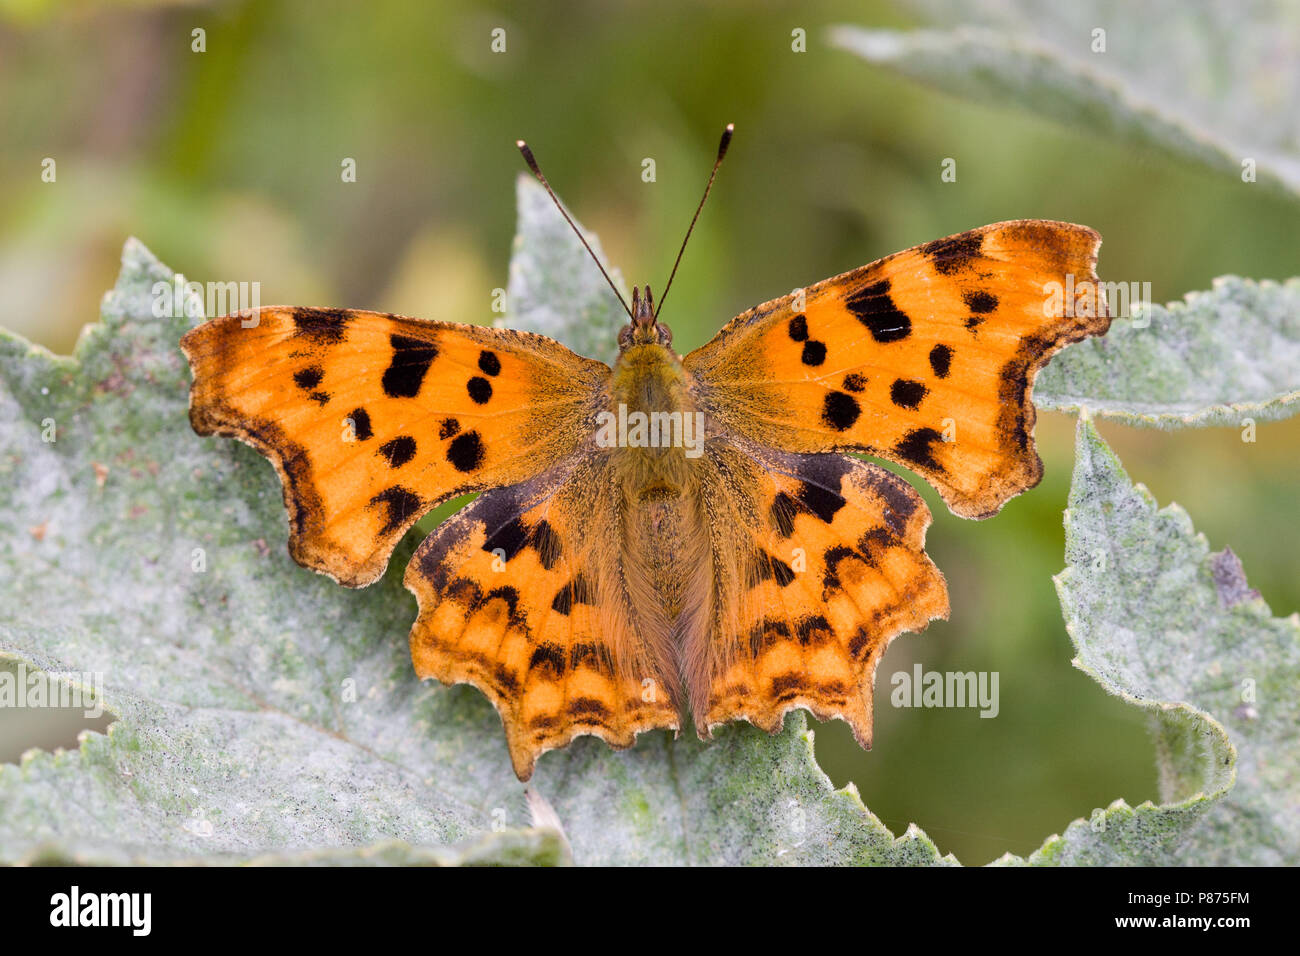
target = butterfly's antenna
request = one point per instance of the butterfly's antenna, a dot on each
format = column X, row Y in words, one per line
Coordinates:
column 537, row 171
column 722, row 151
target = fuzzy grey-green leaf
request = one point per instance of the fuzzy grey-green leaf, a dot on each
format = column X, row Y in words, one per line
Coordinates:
column 1208, row 83
column 1164, row 623
column 1218, row 358
column 555, row 289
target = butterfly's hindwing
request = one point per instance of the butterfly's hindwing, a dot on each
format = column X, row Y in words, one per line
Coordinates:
column 522, row 594
column 823, row 563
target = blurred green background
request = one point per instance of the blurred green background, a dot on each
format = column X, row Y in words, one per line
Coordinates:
column 226, row 163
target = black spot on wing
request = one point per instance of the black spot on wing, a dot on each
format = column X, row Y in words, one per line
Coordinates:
column 546, row 543
column 515, row 535
column 577, row 591
column 595, row 656
column 820, row 479
column 322, row 326
column 308, row 378
column 505, row 593
column 771, row 568
column 466, row 452
column 766, row 633
column 979, row 301
column 855, row 382
column 463, row 591
column 875, row 542
column 917, row 448
column 813, row 629
column 798, row 328
column 840, row 410
column 548, row 657
column 361, row 424
column 940, row 360
column 398, row 451
column 782, row 514
column 786, row 687
column 907, row 393
column 506, row 681
column 955, row 253
column 832, row 557
column 874, row 308
column 488, row 363
column 448, row 427
column 587, row 709
column 861, row 644
column 814, row 352
column 402, row 504
column 408, row 366
column 510, row 538
column 480, row 389
column 820, row 501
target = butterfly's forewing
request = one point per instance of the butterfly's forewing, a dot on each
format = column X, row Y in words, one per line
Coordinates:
column 821, row 561
column 371, row 419
column 523, row 594
column 925, row 358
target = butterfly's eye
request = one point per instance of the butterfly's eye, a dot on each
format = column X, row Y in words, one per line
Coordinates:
column 665, row 334
column 625, row 336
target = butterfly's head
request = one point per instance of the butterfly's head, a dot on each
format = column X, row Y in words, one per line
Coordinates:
column 644, row 329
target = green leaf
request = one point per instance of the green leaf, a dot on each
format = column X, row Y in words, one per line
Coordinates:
column 1207, row 83
column 1220, row 357
column 267, row 714
column 1166, row 624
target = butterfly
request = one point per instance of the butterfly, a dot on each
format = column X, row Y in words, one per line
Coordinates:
column 672, row 535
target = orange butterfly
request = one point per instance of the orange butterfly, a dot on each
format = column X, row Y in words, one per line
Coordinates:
column 673, row 533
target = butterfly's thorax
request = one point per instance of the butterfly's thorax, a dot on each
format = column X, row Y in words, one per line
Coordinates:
column 655, row 421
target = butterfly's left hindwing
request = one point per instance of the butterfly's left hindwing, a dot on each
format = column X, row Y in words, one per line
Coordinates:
column 523, row 595
column 372, row 419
